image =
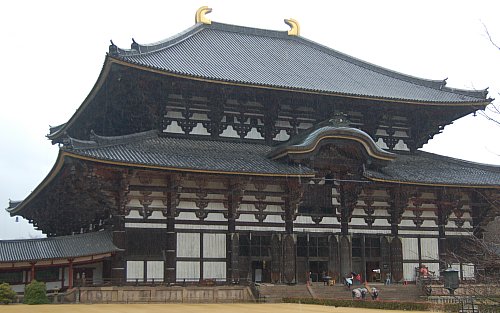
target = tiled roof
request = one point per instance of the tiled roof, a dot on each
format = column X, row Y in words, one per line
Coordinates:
column 257, row 57
column 309, row 139
column 428, row 168
column 56, row 247
column 184, row 154
column 201, row 154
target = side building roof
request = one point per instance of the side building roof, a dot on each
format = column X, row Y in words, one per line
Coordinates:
column 56, row 247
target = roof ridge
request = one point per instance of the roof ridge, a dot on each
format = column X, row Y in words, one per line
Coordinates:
column 136, row 48
column 104, row 141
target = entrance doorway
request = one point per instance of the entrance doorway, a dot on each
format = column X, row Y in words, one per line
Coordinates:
column 318, row 269
column 373, row 271
column 260, row 272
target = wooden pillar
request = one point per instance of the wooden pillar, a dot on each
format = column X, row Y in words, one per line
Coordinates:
column 171, row 201
column 234, row 197
column 398, row 201
column 118, row 264
column 32, row 278
column 70, row 274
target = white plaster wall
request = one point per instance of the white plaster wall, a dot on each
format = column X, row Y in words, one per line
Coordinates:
column 215, row 217
column 133, row 214
column 66, row 276
column 381, row 222
column 247, row 218
column 174, row 128
column 158, row 215
column 358, row 221
column 273, row 219
column 253, row 134
column 282, row 136
column 188, row 245
column 330, row 220
column 409, row 271
column 229, row 132
column 430, row 249
column 135, row 270
column 468, row 270
column 187, row 216
column 154, row 270
column 433, row 267
column 53, row 285
column 302, row 219
column 259, row 228
column 97, row 273
column 189, row 270
column 408, row 223
column 17, row 288
column 410, row 248
column 198, row 227
column 215, row 270
column 199, row 130
column 214, row 245
column 145, row 225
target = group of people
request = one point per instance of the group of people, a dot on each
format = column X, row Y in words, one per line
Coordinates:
column 360, row 292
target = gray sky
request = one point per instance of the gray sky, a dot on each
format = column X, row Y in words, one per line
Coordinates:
column 53, row 51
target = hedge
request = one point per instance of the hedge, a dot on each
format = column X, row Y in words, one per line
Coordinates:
column 383, row 305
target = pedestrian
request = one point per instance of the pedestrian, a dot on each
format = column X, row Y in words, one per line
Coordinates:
column 374, row 293
column 363, row 291
column 387, row 279
column 348, row 282
column 356, row 294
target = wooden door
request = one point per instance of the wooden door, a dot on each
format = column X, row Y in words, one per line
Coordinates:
column 397, row 259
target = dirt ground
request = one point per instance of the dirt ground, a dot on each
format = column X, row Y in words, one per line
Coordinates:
column 185, row 308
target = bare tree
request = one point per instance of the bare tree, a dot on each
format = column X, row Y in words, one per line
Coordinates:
column 492, row 111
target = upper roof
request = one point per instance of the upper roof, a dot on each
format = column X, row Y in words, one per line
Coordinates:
column 265, row 58
column 56, row 247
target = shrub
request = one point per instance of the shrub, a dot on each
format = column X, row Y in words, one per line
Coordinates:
column 384, row 305
column 7, row 295
column 35, row 293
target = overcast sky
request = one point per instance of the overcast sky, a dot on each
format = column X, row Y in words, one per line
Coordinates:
column 53, row 51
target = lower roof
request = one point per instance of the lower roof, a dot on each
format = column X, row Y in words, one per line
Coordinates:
column 149, row 149
column 185, row 154
column 57, row 247
column 426, row 168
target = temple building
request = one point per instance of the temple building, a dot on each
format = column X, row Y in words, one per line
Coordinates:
column 233, row 154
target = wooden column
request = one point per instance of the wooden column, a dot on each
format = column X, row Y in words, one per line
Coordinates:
column 235, row 194
column 349, row 193
column 447, row 201
column 32, row 278
column 398, row 201
column 174, row 183
column 70, row 273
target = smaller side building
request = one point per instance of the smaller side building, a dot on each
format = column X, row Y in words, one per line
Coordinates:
column 60, row 262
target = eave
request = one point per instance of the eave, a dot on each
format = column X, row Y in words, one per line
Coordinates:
column 110, row 61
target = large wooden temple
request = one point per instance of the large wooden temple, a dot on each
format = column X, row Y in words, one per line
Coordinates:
column 231, row 153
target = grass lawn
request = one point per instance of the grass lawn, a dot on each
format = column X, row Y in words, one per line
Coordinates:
column 184, row 308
